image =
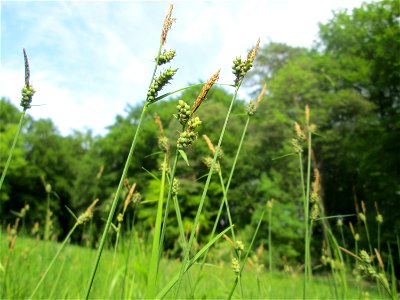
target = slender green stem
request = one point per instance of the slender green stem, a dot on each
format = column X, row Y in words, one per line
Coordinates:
column 128, row 252
column 205, row 190
column 115, row 202
column 246, row 256
column 189, row 264
column 57, row 280
column 171, row 183
column 152, row 278
column 270, row 239
column 21, row 120
column 54, row 259
column 379, row 237
column 309, row 272
column 305, row 225
column 224, row 191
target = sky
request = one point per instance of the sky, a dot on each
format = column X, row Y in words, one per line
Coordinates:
column 89, row 60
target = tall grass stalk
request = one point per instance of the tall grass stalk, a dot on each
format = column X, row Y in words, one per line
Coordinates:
column 27, row 93
column 270, row 204
column 10, row 155
column 155, row 252
column 240, row 70
column 167, row 24
column 201, row 204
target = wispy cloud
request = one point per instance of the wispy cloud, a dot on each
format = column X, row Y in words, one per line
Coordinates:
column 93, row 58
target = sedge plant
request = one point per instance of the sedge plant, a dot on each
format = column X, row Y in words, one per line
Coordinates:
column 156, row 84
column 240, row 69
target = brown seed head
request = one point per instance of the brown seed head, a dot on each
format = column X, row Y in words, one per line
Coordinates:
column 298, row 130
column 307, row 115
column 316, row 181
column 378, row 256
column 352, row 229
column 167, row 24
column 89, row 210
column 260, row 250
column 209, row 143
column 261, row 95
column 229, row 241
column 204, row 91
column 27, row 72
column 253, row 52
column 129, row 197
column 363, row 207
column 159, row 124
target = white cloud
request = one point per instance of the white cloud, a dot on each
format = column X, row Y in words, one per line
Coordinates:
column 89, row 59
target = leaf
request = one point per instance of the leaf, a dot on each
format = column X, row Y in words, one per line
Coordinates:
column 184, row 156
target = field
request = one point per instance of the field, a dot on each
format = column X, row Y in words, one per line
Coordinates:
column 72, row 270
column 197, row 194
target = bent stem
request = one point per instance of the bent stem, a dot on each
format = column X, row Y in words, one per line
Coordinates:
column 10, row 155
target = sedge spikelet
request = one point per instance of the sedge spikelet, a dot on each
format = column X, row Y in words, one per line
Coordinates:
column 204, row 91
column 168, row 21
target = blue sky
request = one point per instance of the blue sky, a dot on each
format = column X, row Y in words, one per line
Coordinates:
column 89, row 59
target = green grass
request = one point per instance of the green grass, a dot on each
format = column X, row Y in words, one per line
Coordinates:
column 67, row 280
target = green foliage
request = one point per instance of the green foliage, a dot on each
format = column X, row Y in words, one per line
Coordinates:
column 350, row 80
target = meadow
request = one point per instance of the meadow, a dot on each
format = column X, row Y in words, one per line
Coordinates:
column 188, row 235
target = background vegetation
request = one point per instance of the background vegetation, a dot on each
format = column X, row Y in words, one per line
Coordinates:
column 350, row 78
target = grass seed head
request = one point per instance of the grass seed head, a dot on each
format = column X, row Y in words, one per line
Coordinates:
column 168, row 21
column 88, row 214
column 159, row 83
column 307, row 112
column 165, row 57
column 235, row 265
column 27, row 91
column 183, row 112
column 204, row 91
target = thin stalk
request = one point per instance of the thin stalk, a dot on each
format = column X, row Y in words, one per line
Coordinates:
column 202, row 200
column 270, row 240
column 128, row 253
column 57, row 280
column 121, row 183
column 171, row 183
column 115, row 202
column 3, row 175
column 308, row 204
column 305, row 225
column 246, row 256
column 155, row 253
column 225, row 190
column 369, row 240
column 379, row 237
column 54, row 259
column 189, row 264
